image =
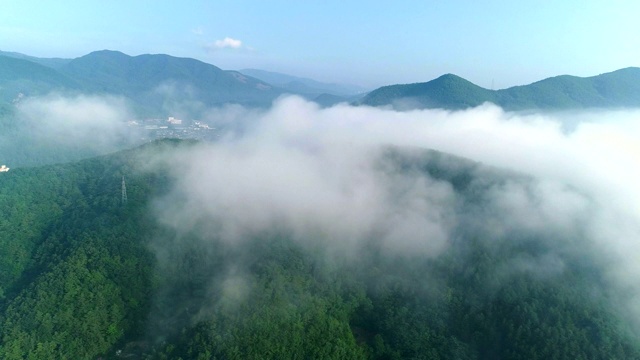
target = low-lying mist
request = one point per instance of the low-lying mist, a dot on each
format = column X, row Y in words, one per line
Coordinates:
column 348, row 181
column 344, row 178
column 59, row 128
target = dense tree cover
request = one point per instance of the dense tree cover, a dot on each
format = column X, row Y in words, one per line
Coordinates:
column 154, row 82
column 54, row 63
column 86, row 276
column 76, row 276
column 448, row 91
column 296, row 306
column 29, row 78
column 151, row 83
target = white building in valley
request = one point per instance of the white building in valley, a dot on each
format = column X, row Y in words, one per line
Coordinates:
column 174, row 121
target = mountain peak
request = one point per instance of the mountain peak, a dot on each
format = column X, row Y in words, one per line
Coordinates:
column 454, row 80
column 620, row 88
column 448, row 91
column 450, row 76
column 150, row 79
column 106, row 53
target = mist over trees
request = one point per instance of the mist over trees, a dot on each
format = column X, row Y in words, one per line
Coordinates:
column 85, row 275
column 313, row 232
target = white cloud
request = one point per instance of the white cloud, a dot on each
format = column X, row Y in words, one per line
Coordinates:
column 316, row 173
column 226, row 43
column 86, row 121
column 335, row 147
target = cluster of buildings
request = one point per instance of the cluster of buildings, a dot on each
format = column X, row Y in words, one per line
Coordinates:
column 173, row 127
column 4, row 168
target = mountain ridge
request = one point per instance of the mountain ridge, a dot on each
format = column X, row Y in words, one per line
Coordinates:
column 154, row 83
column 140, row 77
column 160, row 83
column 54, row 63
column 619, row 88
column 20, row 76
column 303, row 85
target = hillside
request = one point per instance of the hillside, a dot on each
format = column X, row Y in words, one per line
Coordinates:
column 154, row 84
column 620, row 88
column 162, row 81
column 448, row 91
column 23, row 76
column 84, row 275
column 54, row 63
column 159, row 84
column 153, row 80
column 305, row 86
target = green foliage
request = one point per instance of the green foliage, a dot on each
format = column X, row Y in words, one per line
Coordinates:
column 85, row 276
column 282, row 316
column 616, row 89
column 448, row 91
column 76, row 274
column 74, row 310
column 23, row 76
column 54, row 63
column 153, row 82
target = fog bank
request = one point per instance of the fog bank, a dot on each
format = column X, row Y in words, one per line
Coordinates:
column 323, row 176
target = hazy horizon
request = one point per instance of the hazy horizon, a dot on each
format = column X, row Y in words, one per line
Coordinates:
column 495, row 45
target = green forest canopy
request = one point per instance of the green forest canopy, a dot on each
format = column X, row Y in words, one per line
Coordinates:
column 81, row 277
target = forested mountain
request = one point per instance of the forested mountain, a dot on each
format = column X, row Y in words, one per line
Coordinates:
column 300, row 85
column 448, row 91
column 324, row 94
column 151, row 79
column 73, row 264
column 18, row 76
column 154, row 84
column 620, row 88
column 54, row 63
column 79, row 108
column 86, row 275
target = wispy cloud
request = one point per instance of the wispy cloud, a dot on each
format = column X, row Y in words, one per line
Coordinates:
column 83, row 121
column 226, row 43
column 316, row 173
column 197, row 31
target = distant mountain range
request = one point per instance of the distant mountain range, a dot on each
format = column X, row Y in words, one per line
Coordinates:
column 152, row 82
column 620, row 88
column 156, row 83
column 160, row 84
column 54, row 63
column 301, row 85
column 25, row 76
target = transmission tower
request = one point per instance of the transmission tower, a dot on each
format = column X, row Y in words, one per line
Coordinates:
column 124, row 192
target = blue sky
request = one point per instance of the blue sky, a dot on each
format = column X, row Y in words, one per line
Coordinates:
column 370, row 43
